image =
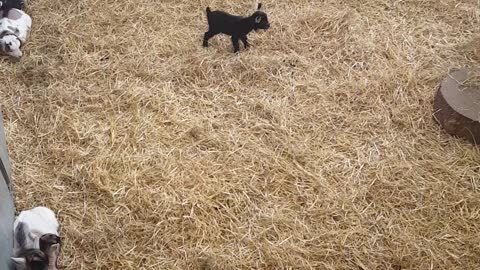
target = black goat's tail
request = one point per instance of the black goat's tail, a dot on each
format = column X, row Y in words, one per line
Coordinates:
column 208, row 10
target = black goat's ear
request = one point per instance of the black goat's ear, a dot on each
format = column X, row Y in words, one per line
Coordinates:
column 19, row 262
column 259, row 6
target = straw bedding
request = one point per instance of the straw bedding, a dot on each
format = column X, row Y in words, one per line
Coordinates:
column 315, row 149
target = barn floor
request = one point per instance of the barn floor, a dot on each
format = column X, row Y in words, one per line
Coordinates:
column 315, row 149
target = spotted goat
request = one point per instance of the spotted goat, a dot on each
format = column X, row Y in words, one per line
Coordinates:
column 14, row 31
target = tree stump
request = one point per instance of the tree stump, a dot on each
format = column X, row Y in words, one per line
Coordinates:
column 457, row 105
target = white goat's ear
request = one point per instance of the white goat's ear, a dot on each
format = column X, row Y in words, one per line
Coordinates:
column 259, row 6
column 35, row 234
column 20, row 263
column 258, row 19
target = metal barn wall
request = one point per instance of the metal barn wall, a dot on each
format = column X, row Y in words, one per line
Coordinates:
column 7, row 210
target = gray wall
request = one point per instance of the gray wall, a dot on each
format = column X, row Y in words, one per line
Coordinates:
column 7, row 210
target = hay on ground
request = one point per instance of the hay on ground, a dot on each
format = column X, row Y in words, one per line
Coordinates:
column 315, row 149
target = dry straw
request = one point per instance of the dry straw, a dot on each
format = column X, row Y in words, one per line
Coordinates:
column 315, row 149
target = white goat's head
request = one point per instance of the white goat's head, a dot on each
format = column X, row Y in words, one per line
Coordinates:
column 10, row 45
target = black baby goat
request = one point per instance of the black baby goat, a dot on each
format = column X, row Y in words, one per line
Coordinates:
column 7, row 5
column 235, row 26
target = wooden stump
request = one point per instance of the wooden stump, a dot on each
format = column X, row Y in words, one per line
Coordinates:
column 457, row 106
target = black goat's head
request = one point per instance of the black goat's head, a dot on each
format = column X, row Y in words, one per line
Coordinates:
column 47, row 240
column 50, row 245
column 261, row 19
column 31, row 259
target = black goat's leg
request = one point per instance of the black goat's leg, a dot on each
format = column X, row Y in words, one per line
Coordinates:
column 236, row 46
column 244, row 40
column 208, row 35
